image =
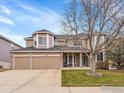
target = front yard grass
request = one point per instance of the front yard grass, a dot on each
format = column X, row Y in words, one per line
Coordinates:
column 77, row 78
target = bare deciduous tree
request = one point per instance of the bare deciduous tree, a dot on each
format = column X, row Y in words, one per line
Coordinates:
column 104, row 17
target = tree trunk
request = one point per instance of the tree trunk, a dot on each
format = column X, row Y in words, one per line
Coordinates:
column 92, row 63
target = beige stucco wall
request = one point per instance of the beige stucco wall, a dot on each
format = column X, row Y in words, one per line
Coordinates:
column 70, row 42
column 61, row 43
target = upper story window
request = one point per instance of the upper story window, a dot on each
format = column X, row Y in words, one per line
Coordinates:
column 77, row 43
column 42, row 41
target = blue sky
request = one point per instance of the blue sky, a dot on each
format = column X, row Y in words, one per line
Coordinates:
column 19, row 18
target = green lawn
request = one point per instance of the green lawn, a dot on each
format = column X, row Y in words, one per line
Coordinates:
column 78, row 78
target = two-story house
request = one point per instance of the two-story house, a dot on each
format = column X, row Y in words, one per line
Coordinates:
column 46, row 50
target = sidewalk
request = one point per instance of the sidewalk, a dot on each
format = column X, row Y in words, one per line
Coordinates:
column 70, row 90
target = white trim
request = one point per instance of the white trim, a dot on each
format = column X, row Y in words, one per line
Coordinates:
column 44, row 55
column 21, row 55
column 37, row 41
column 33, row 55
column 42, row 35
column 53, row 55
column 47, row 40
column 104, row 56
column 52, row 41
column 38, row 55
column 42, row 45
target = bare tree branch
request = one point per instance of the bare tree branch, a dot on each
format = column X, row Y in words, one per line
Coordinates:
column 101, row 20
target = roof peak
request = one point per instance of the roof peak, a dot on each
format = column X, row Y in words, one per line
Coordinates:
column 43, row 31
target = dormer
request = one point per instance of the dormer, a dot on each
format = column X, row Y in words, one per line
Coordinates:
column 43, row 39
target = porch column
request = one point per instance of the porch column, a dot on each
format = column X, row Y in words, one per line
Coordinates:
column 80, row 59
column 47, row 40
column 67, row 59
column 72, row 59
column 104, row 56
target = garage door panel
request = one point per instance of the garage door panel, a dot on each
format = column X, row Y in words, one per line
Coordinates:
column 45, row 62
column 22, row 63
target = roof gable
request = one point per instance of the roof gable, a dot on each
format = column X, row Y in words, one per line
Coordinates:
column 8, row 40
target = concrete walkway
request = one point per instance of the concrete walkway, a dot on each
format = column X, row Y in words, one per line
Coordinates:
column 44, row 81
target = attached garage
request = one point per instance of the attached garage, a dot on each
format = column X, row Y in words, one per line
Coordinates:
column 22, row 63
column 48, row 62
column 37, row 61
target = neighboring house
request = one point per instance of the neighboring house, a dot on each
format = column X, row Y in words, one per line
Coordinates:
column 6, row 46
column 46, row 50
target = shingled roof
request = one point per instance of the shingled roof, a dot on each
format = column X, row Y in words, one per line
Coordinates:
column 43, row 31
column 82, row 35
column 54, row 49
column 4, row 38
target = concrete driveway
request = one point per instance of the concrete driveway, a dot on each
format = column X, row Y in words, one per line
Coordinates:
column 44, row 81
column 14, row 81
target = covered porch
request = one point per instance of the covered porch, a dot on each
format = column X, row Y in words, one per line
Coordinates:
column 75, row 59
